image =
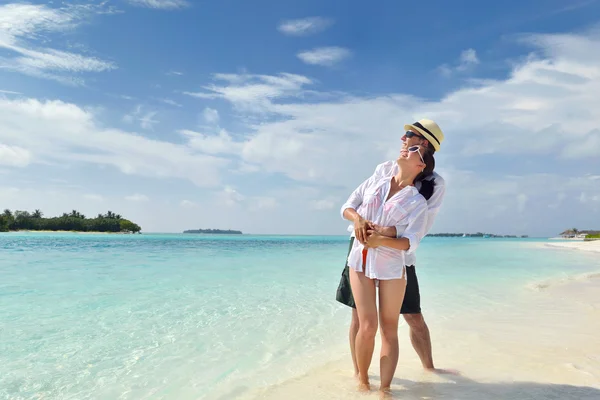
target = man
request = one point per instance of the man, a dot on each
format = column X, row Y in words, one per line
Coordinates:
column 427, row 133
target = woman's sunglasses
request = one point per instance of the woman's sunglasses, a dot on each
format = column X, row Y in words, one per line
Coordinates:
column 416, row 149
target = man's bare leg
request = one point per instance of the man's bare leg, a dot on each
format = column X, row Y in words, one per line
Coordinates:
column 420, row 339
column 354, row 325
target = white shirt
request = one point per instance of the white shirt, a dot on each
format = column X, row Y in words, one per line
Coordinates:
column 406, row 210
column 389, row 169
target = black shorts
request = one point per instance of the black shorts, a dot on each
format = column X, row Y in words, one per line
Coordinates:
column 412, row 297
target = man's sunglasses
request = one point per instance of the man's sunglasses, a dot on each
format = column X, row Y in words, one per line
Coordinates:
column 410, row 134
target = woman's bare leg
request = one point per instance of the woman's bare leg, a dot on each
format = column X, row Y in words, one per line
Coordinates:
column 391, row 295
column 363, row 290
column 352, row 336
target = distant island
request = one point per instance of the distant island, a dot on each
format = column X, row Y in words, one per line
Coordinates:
column 73, row 221
column 478, row 234
column 214, row 231
column 575, row 233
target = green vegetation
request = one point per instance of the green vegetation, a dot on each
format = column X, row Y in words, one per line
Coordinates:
column 74, row 221
column 596, row 236
column 214, row 231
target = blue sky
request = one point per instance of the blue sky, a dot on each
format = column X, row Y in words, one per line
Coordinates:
column 263, row 116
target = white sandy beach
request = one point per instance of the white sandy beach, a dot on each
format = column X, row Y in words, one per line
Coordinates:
column 542, row 344
column 578, row 245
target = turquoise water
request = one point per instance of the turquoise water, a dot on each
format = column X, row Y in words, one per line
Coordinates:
column 195, row 317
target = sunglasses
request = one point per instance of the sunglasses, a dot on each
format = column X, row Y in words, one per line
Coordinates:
column 410, row 134
column 415, row 149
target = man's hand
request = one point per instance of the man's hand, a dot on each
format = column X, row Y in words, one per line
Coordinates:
column 374, row 239
column 389, row 231
column 361, row 226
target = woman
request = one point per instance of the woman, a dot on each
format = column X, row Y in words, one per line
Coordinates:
column 377, row 260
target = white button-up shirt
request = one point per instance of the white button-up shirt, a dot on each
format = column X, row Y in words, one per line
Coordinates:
column 389, row 169
column 406, row 210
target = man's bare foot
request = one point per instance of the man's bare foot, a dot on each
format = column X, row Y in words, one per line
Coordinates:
column 441, row 371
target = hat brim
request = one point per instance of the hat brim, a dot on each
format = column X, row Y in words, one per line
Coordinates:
column 426, row 135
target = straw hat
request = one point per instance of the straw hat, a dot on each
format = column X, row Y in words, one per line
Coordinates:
column 429, row 130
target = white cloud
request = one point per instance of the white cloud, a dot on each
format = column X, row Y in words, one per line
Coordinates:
column 23, row 24
column 171, row 102
column 522, row 199
column 222, row 143
column 326, row 56
column 468, row 57
column 147, row 121
column 262, row 203
column 76, row 137
column 229, row 196
column 304, row 26
column 137, row 198
column 55, row 60
column 325, row 204
column 211, row 116
column 9, row 92
column 176, row 73
column 188, row 204
column 466, row 61
column 14, row 156
column 160, row 4
column 254, row 92
column 145, row 118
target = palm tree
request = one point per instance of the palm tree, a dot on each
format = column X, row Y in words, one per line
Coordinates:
column 37, row 214
column 7, row 213
column 22, row 214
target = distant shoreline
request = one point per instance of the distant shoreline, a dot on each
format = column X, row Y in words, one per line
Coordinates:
column 81, row 232
column 213, row 231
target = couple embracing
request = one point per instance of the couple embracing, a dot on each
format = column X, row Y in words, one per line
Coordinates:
column 391, row 212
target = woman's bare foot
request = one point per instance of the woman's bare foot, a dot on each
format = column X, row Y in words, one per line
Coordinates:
column 364, row 386
column 385, row 393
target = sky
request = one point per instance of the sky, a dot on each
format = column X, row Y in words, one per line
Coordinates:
column 264, row 116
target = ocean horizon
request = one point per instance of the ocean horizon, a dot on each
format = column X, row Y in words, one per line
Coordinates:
column 197, row 316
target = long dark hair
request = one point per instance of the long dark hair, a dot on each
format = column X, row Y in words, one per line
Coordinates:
column 426, row 185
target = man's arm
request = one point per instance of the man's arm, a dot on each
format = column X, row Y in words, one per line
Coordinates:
column 435, row 201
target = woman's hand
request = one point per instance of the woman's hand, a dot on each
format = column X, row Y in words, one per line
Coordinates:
column 374, row 239
column 361, row 226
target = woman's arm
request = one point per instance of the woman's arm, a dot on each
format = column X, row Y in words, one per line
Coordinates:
column 361, row 225
column 348, row 210
column 412, row 235
column 376, row 239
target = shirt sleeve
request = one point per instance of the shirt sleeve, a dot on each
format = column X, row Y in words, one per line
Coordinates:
column 356, row 197
column 435, row 201
column 417, row 226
